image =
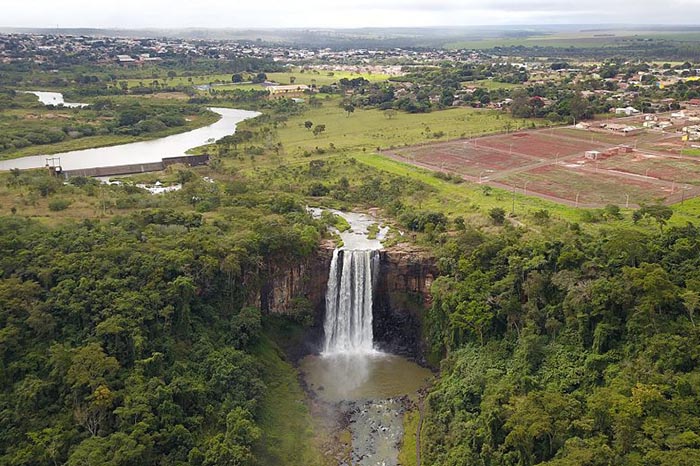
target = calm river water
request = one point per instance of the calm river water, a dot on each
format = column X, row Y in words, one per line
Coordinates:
column 139, row 152
column 54, row 98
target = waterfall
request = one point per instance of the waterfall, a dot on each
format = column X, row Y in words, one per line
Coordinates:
column 348, row 323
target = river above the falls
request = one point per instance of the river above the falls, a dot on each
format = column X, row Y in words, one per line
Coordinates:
column 151, row 151
column 54, row 98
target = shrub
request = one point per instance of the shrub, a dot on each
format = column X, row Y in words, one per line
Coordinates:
column 418, row 221
column 497, row 215
column 59, row 204
column 318, row 190
column 541, row 216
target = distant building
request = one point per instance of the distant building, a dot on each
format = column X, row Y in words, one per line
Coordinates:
column 622, row 129
column 656, row 124
column 146, row 57
column 289, row 91
column 679, row 115
column 624, row 149
column 629, row 111
column 126, row 60
column 691, row 133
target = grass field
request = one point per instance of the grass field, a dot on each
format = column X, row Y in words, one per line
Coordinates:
column 307, row 77
column 371, row 129
column 321, row 78
column 491, row 85
column 694, row 152
column 239, row 86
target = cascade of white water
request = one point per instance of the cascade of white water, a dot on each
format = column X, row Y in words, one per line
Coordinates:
column 348, row 322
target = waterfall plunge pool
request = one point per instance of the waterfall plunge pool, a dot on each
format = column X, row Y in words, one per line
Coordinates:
column 361, row 377
column 369, row 393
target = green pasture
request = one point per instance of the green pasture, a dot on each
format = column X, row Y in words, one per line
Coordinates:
column 322, row 77
column 367, row 130
column 491, row 85
column 308, row 77
column 695, row 152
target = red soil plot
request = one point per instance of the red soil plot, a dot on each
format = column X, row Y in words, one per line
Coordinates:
column 600, row 137
column 461, row 157
column 679, row 170
column 647, row 140
column 537, row 145
column 592, row 188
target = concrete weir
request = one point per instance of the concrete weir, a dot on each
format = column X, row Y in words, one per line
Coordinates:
column 190, row 161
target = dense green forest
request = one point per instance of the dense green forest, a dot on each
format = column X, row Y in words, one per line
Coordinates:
column 566, row 348
column 131, row 341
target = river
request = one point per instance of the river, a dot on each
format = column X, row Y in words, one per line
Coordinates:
column 155, row 150
column 54, row 98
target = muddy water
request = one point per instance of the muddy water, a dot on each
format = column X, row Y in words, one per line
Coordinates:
column 359, row 377
column 372, row 392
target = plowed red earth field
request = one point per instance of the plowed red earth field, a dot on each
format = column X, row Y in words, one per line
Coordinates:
column 538, row 145
column 551, row 164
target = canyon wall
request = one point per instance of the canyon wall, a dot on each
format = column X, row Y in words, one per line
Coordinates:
column 401, row 299
column 297, row 287
column 401, row 294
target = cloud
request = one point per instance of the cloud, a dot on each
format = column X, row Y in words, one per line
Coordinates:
column 322, row 13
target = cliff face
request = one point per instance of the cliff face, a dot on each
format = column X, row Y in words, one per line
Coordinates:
column 401, row 295
column 290, row 288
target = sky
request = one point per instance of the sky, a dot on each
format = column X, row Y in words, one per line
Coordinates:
column 128, row 14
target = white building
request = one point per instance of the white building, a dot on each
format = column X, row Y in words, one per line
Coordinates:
column 629, row 111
